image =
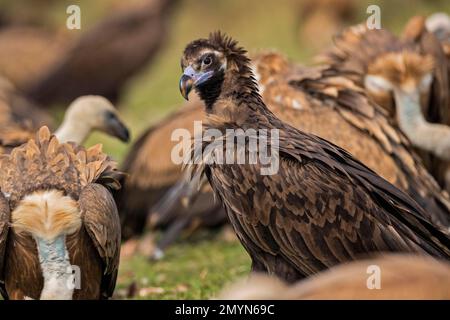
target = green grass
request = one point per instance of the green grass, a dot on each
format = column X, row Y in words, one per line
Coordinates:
column 195, row 269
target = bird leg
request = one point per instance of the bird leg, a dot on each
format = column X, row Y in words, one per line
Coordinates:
column 170, row 236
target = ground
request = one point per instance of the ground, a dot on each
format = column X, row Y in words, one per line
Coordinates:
column 194, row 268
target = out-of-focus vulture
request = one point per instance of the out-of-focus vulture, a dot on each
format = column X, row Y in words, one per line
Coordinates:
column 16, row 108
column 105, row 57
column 35, row 50
column 56, row 212
column 330, row 15
column 313, row 205
column 439, row 24
column 400, row 277
column 152, row 173
column 408, row 77
column 84, row 115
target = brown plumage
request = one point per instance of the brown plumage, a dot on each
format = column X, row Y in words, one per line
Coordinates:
column 106, row 56
column 401, row 277
column 322, row 207
column 321, row 101
column 439, row 25
column 325, row 102
column 152, row 173
column 34, row 49
column 405, row 62
column 52, row 192
column 18, row 116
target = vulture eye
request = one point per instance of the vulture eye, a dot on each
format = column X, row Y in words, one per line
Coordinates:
column 110, row 115
column 207, row 61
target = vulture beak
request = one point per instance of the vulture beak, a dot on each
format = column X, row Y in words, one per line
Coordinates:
column 191, row 79
column 118, row 129
column 186, row 84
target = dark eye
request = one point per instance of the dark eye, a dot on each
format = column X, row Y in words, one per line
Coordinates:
column 110, row 115
column 207, row 61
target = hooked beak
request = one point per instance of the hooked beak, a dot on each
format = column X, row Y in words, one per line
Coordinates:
column 191, row 79
column 118, row 129
column 186, row 84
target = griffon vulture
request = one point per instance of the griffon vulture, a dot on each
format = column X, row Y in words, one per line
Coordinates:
column 409, row 77
column 84, row 115
column 59, row 226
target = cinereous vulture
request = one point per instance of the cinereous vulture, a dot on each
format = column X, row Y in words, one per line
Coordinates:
column 313, row 205
column 319, row 100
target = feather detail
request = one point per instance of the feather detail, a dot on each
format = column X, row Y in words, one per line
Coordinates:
column 43, row 163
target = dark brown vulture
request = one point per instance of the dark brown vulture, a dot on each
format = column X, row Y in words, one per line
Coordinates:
column 84, row 115
column 313, row 205
column 319, row 100
column 105, row 57
column 152, row 173
column 56, row 212
column 408, row 77
column 401, row 277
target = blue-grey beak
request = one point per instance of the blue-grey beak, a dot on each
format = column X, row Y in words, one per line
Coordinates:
column 191, row 79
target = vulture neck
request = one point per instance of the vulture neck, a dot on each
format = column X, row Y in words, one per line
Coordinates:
column 233, row 96
column 48, row 216
column 431, row 137
column 56, row 267
column 74, row 131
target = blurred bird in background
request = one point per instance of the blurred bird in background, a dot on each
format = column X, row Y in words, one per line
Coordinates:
column 401, row 277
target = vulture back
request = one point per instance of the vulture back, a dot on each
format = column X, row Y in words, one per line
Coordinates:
column 56, row 212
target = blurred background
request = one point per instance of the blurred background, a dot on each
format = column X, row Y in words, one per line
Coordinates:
column 34, row 40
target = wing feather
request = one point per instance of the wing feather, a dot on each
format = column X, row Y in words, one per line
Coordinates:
column 4, row 228
column 101, row 220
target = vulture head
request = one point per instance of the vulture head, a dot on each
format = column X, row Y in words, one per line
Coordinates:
column 408, row 76
column 439, row 24
column 91, row 113
column 209, row 65
column 401, row 73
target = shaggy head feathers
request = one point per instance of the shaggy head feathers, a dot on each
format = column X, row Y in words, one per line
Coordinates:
column 216, row 41
column 234, row 54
